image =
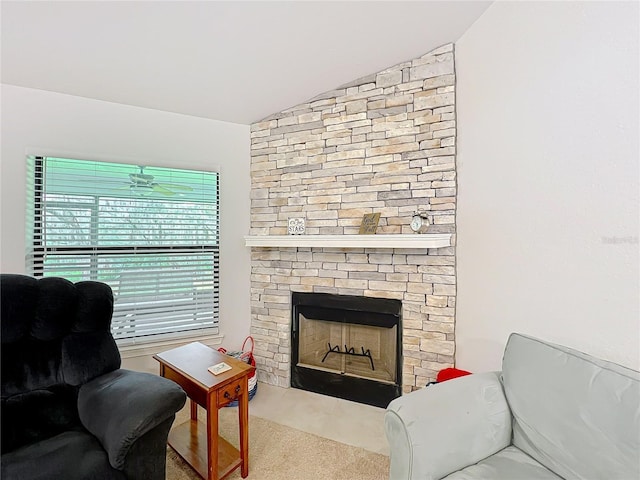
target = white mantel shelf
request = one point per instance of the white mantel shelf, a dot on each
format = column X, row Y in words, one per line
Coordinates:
column 426, row 240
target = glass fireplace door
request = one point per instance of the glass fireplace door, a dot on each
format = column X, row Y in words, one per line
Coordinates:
column 363, row 351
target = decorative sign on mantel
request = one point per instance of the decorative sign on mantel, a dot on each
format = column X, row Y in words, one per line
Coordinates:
column 296, row 226
column 369, row 223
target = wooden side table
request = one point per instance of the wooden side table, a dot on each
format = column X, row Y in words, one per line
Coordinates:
column 201, row 446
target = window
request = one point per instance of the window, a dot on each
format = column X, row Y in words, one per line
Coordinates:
column 151, row 233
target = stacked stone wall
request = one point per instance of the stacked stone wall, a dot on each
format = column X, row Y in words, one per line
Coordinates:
column 384, row 143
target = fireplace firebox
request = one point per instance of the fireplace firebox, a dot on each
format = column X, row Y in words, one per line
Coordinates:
column 347, row 346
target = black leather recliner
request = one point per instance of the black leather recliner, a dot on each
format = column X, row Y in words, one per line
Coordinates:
column 68, row 410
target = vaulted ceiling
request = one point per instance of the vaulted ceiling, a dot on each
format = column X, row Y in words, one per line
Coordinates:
column 232, row 61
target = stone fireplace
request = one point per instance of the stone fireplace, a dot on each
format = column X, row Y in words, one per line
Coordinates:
column 383, row 143
column 346, row 346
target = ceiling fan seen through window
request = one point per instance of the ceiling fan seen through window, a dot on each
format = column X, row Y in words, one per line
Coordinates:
column 143, row 184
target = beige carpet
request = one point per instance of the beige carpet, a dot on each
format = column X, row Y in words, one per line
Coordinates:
column 278, row 452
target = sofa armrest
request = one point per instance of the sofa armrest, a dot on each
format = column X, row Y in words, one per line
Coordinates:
column 121, row 406
column 440, row 429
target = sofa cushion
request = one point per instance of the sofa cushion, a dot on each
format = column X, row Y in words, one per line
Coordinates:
column 577, row 415
column 70, row 456
column 508, row 464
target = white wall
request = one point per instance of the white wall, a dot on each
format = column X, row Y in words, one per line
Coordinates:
column 548, row 180
column 56, row 124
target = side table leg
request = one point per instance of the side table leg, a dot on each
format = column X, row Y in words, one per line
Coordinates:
column 212, row 436
column 194, row 410
column 243, row 418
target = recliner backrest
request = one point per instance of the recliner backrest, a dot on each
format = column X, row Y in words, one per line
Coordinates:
column 54, row 332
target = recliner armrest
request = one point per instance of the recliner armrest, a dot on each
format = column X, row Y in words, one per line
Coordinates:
column 440, row 429
column 121, row 406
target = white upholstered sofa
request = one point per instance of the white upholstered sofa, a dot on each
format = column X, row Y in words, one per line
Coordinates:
column 551, row 413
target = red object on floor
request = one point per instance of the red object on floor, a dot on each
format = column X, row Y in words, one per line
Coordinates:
column 449, row 373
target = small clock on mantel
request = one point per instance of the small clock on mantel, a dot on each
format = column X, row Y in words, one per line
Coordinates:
column 419, row 222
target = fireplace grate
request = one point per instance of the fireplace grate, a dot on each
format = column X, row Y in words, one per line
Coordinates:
column 349, row 351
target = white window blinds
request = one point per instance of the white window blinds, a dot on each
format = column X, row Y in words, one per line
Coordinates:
column 151, row 233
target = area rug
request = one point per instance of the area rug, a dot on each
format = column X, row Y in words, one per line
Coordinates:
column 277, row 452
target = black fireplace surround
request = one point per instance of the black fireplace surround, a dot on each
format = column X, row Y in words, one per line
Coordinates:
column 372, row 316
